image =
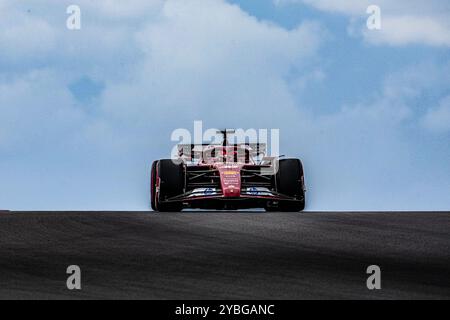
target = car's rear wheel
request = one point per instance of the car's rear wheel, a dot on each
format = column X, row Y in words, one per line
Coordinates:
column 170, row 176
column 290, row 182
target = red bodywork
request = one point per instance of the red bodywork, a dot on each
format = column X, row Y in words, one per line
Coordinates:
column 230, row 179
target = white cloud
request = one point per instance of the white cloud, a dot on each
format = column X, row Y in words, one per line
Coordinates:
column 403, row 21
column 23, row 37
column 407, row 29
column 119, row 9
column 36, row 110
column 438, row 119
column 210, row 60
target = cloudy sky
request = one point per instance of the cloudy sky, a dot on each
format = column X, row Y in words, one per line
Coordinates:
column 83, row 113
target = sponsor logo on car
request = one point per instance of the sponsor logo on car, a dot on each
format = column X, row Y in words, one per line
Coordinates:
column 230, row 172
column 253, row 191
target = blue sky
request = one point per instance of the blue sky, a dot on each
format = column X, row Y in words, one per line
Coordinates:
column 83, row 113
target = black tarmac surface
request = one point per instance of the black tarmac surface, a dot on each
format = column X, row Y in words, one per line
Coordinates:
column 215, row 255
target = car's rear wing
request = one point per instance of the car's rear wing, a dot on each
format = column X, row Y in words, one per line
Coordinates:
column 195, row 151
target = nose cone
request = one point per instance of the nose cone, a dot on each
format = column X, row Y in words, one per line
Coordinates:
column 230, row 179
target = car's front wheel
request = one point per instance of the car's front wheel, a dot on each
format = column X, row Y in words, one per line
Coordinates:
column 290, row 182
column 153, row 186
column 168, row 183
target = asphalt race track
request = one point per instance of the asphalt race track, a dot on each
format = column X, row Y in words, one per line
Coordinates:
column 215, row 255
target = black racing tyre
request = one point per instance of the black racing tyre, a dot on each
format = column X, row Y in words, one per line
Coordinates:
column 290, row 182
column 153, row 185
column 171, row 175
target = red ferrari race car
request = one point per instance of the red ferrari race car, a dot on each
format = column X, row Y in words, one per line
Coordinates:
column 227, row 177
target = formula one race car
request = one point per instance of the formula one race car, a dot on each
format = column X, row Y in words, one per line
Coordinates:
column 230, row 177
